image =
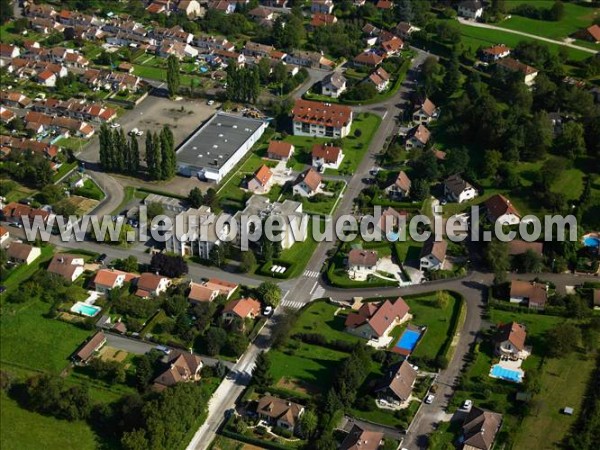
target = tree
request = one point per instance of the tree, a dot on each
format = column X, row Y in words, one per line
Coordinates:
column 248, row 261
column 457, row 161
column 269, row 293
column 557, row 11
column 452, row 77
column 155, row 209
column 167, row 150
column 175, row 305
column 419, row 190
column 496, row 256
column 133, row 163
column 168, row 265
column 563, row 339
column 571, row 142
column 134, row 440
column 210, row 198
column 173, row 76
column 261, row 374
column 6, row 11
column 539, row 137
column 491, row 163
column 308, row 424
column 532, row 262
column 264, row 70
column 214, row 340
column 195, row 197
column 158, row 162
column 129, row 264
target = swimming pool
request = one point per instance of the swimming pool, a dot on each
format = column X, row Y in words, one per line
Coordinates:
column 506, row 374
column 407, row 342
column 591, row 241
column 85, row 310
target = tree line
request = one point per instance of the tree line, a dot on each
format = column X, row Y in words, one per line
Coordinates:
column 243, row 84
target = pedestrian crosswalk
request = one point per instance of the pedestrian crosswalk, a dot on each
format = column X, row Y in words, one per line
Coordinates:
column 292, row 304
column 312, row 273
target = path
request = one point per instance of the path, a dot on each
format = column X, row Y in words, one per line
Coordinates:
column 534, row 36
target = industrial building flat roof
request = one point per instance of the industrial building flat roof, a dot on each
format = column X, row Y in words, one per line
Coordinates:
column 217, row 140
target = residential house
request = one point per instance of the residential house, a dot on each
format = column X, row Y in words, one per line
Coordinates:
column 14, row 99
column 223, row 6
column 295, row 222
column 321, row 6
column 326, row 156
column 375, row 320
column 178, row 49
column 261, row 181
column 157, row 8
column 321, row 119
column 279, row 412
column 183, row 367
column 391, row 45
column 510, row 341
column 16, row 212
column 107, row 279
column 8, row 52
column 70, row 267
column 425, row 112
column 314, row 60
column 500, row 209
column 518, row 247
column 591, row 34
column 4, row 235
column 512, row 65
column 239, row 59
column 391, row 220
column 333, row 85
column 368, row 59
column 360, row 439
column 433, row 254
column 6, row 115
column 400, row 188
column 362, row 260
column 209, row 290
column 480, row 428
column 417, row 137
column 321, row 20
column 151, row 285
column 495, row 52
column 261, row 13
column 258, row 50
column 379, row 78
column 529, row 293
column 279, row 150
column 308, row 183
column 458, row 190
column 405, row 29
column 47, row 78
column 243, row 308
column 470, row 9
column 396, row 386
column 89, row 348
column 21, row 253
column 386, row 5
column 191, row 8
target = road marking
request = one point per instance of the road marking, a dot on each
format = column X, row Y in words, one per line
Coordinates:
column 311, row 273
column 292, row 304
column 384, row 114
column 313, row 288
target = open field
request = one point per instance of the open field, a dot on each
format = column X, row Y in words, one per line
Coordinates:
column 24, row 429
column 29, row 339
column 24, row 271
column 563, row 383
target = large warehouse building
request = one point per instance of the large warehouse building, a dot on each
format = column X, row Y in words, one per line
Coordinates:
column 212, row 151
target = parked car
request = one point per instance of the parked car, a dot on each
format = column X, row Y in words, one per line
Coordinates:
column 429, row 399
column 102, row 258
column 162, row 348
column 210, row 102
column 467, row 405
column 115, row 125
column 268, row 311
column 139, row 133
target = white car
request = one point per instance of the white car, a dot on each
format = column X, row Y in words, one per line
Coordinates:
column 268, row 311
column 429, row 399
column 210, row 102
column 139, row 133
column 467, row 405
column 115, row 125
column 133, row 131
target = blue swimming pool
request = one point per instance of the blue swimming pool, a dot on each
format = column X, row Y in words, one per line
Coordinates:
column 506, row 374
column 408, row 340
column 85, row 310
column 591, row 241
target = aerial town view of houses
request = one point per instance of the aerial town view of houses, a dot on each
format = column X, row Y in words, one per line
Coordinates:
column 151, row 114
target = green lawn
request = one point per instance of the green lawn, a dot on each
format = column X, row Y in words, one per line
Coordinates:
column 23, row 429
column 475, row 37
column 90, row 190
column 72, row 143
column 319, row 318
column 154, row 73
column 354, row 147
column 231, row 191
column 64, row 169
column 29, row 339
column 563, row 383
column 23, row 272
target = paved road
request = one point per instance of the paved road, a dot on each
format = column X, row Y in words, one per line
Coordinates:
column 138, row 347
column 534, row 36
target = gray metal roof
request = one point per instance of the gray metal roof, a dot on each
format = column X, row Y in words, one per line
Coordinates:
column 219, row 138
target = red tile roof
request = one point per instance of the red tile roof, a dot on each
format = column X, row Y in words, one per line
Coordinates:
column 498, row 205
column 263, row 175
column 514, row 333
column 280, row 148
column 328, row 153
column 311, row 178
column 243, row 307
column 368, row 59
column 318, row 113
column 378, row 315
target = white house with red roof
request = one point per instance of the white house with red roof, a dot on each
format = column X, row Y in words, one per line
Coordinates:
column 326, row 156
column 321, row 119
column 374, row 321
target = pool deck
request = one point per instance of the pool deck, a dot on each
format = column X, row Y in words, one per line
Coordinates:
column 509, row 365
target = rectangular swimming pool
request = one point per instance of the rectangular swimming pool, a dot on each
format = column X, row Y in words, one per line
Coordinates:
column 506, row 374
column 407, row 341
column 85, row 310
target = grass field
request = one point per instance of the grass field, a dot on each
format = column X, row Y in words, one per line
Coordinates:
column 23, row 272
column 563, row 384
column 319, row 318
column 24, row 429
column 475, row 37
column 28, row 339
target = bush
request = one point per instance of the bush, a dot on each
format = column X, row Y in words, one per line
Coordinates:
column 282, row 432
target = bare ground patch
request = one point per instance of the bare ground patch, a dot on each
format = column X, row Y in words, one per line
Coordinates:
column 299, row 386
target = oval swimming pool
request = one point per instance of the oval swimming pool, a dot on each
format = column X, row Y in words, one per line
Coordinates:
column 591, row 241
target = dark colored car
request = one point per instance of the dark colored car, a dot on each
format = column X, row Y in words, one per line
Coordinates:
column 102, row 258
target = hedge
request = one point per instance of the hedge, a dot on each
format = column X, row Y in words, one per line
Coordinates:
column 254, row 441
column 459, row 309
